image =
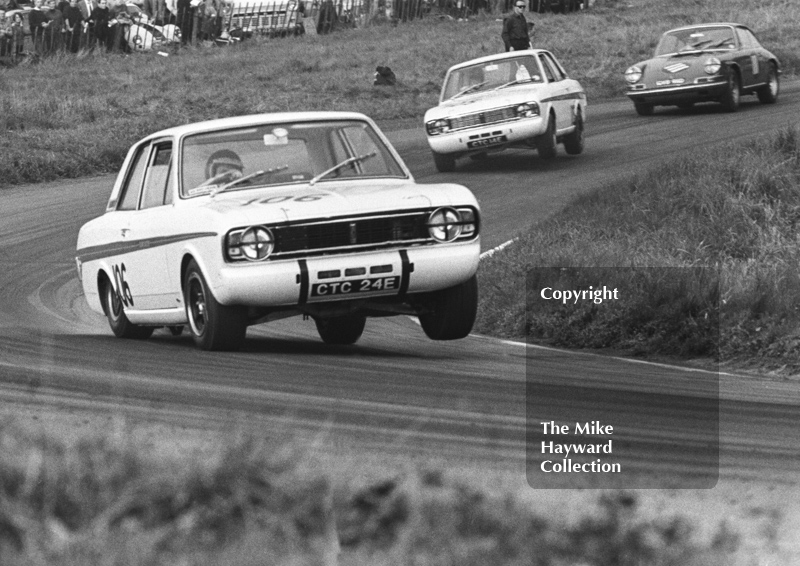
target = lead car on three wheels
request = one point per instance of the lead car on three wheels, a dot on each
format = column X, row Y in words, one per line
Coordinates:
column 216, row 226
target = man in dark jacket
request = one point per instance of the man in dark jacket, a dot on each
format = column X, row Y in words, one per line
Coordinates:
column 515, row 29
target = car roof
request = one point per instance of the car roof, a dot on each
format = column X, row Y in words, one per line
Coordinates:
column 254, row 119
column 710, row 24
column 498, row 57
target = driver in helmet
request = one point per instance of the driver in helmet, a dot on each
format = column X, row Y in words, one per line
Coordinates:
column 223, row 166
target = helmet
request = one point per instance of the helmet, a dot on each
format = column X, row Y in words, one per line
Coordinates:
column 223, row 160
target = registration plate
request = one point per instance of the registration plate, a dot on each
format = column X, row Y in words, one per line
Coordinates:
column 487, row 141
column 355, row 286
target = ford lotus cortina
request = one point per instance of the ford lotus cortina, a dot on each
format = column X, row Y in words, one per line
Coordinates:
column 220, row 225
column 518, row 99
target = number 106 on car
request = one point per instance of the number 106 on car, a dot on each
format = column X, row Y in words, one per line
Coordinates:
column 356, row 286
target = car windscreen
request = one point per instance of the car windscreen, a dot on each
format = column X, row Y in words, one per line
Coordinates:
column 490, row 75
column 277, row 154
column 717, row 38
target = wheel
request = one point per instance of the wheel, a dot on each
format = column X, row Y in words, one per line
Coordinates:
column 730, row 101
column 768, row 94
column 444, row 163
column 342, row 330
column 451, row 312
column 643, row 109
column 546, row 144
column 573, row 143
column 115, row 313
column 212, row 325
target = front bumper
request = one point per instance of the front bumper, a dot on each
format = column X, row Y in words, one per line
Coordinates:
column 491, row 137
column 392, row 273
column 707, row 91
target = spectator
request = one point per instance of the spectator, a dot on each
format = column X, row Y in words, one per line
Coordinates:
column 54, row 32
column 118, row 26
column 185, row 21
column 38, row 23
column 100, row 22
column 156, row 10
column 87, row 7
column 515, row 29
column 16, row 28
column 73, row 24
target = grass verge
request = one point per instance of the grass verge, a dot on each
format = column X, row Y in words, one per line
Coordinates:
column 69, row 116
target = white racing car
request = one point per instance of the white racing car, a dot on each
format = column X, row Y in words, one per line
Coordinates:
column 516, row 99
column 228, row 223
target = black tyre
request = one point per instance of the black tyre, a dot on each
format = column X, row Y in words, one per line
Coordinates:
column 574, row 142
column 444, row 163
column 341, row 330
column 546, row 144
column 768, row 94
column 733, row 93
column 451, row 312
column 115, row 313
column 643, row 109
column 212, row 325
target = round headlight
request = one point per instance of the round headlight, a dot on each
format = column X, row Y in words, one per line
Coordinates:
column 713, row 66
column 436, row 127
column 527, row 110
column 444, row 224
column 257, row 243
column 633, row 74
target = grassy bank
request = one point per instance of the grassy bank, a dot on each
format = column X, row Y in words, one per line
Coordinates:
column 733, row 208
column 72, row 116
column 107, row 499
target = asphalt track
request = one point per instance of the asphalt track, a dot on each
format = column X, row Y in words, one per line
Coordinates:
column 395, row 391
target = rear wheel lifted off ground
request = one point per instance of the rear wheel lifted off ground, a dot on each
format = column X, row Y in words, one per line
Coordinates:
column 119, row 323
column 730, row 100
column 342, row 330
column 573, row 142
column 643, row 109
column 444, row 163
column 451, row 312
column 213, row 326
column 546, row 144
column 768, row 94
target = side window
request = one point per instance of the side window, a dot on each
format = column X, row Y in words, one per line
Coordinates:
column 548, row 71
column 554, row 68
column 130, row 190
column 158, row 176
column 747, row 39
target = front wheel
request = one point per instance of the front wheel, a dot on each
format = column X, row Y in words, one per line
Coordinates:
column 574, row 142
column 451, row 312
column 119, row 323
column 730, row 101
column 444, row 163
column 213, row 326
column 341, row 330
column 768, row 94
column 546, row 144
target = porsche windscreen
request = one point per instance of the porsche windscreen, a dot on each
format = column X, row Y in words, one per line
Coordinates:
column 491, row 75
column 715, row 38
column 279, row 154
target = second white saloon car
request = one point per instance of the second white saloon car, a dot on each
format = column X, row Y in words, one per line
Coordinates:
column 516, row 99
column 223, row 224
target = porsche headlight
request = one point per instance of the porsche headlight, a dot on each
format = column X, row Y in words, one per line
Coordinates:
column 633, row 74
column 712, row 66
column 436, row 127
column 252, row 244
column 444, row 224
column 527, row 110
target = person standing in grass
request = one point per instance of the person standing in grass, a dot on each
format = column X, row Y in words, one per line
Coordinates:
column 38, row 22
column 515, row 29
column 73, row 24
column 54, row 33
column 100, row 20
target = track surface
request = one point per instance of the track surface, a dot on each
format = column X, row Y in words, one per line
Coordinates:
column 396, row 391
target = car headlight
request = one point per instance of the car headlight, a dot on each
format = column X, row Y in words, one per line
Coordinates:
column 252, row 244
column 527, row 110
column 712, row 66
column 436, row 127
column 444, row 224
column 633, row 74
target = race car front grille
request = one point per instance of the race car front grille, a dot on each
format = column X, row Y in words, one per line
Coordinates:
column 495, row 116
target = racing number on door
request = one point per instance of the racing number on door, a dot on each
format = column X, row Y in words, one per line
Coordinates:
column 123, row 289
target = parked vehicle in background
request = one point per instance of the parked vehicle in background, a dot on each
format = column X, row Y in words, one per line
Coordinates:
column 224, row 224
column 142, row 35
column 556, row 6
column 273, row 17
column 718, row 62
column 520, row 99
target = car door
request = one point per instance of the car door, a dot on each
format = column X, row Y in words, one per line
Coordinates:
column 151, row 228
column 747, row 58
column 558, row 90
column 759, row 65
